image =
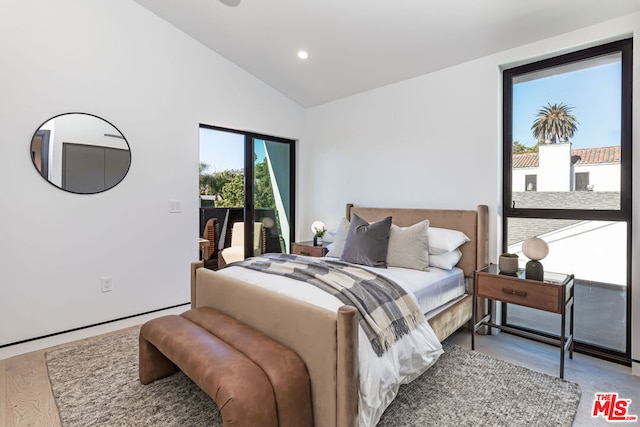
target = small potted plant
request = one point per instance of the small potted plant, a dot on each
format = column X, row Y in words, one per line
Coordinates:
column 318, row 229
column 508, row 263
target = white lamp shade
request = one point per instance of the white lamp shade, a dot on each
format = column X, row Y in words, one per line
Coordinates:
column 535, row 248
column 317, row 225
column 268, row 222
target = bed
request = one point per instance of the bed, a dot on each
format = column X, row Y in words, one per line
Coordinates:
column 328, row 341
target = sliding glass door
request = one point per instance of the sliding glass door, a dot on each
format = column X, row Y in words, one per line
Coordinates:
column 567, row 180
column 246, row 194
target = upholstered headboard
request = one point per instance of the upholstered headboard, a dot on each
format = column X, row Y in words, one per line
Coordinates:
column 473, row 223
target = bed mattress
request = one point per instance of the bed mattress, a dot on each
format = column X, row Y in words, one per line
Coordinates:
column 432, row 288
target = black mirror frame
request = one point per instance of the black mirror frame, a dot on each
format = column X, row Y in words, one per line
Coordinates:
column 43, row 170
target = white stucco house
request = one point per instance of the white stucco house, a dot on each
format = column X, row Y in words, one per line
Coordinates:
column 558, row 167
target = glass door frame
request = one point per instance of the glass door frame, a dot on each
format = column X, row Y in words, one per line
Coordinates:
column 623, row 214
column 249, row 206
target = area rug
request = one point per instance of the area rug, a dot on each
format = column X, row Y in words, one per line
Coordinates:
column 95, row 383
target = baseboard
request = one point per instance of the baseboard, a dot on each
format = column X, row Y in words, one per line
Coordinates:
column 40, row 343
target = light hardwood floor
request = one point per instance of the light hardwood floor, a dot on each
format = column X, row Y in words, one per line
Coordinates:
column 26, row 399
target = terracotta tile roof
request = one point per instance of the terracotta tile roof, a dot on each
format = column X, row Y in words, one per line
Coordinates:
column 593, row 156
column 525, row 160
column 584, row 156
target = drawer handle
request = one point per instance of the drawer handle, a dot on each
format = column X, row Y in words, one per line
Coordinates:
column 514, row 292
column 305, row 253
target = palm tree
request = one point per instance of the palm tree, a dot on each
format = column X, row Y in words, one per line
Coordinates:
column 206, row 179
column 553, row 122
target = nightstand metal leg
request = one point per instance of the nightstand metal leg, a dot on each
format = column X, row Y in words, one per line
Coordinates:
column 473, row 322
column 473, row 313
column 571, row 327
column 562, row 341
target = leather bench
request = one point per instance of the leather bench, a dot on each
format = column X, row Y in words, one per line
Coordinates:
column 255, row 381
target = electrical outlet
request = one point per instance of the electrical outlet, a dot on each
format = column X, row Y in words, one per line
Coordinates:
column 106, row 284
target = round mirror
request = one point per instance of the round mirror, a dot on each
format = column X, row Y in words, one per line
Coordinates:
column 80, row 153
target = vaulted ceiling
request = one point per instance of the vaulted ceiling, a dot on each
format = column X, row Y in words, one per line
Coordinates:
column 358, row 45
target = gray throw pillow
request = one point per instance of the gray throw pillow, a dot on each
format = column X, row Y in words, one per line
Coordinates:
column 367, row 244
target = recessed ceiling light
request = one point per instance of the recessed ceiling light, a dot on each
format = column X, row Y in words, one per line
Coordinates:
column 231, row 3
column 302, row 54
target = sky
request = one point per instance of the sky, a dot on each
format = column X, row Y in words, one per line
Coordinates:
column 225, row 150
column 594, row 93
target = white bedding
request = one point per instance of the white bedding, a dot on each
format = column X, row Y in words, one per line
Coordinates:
column 380, row 377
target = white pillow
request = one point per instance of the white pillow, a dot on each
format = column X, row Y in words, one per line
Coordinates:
column 445, row 261
column 337, row 247
column 409, row 246
column 443, row 240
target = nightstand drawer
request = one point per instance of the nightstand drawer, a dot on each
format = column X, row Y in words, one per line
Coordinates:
column 532, row 294
column 307, row 250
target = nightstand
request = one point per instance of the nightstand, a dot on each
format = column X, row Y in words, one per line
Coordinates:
column 553, row 294
column 307, row 249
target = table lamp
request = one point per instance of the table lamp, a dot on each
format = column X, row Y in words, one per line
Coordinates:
column 535, row 249
column 268, row 222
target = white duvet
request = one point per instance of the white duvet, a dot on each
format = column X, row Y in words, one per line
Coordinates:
column 380, row 377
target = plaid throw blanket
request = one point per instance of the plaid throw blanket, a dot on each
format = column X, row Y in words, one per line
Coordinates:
column 386, row 311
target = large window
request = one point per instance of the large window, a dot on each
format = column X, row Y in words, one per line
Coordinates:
column 567, row 180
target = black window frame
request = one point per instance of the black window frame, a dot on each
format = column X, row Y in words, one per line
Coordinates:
column 623, row 214
column 249, row 206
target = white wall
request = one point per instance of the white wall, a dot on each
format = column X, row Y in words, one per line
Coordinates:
column 435, row 141
column 118, row 61
column 554, row 167
column 405, row 145
column 603, row 177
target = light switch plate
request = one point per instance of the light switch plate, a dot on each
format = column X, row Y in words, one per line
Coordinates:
column 175, row 206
